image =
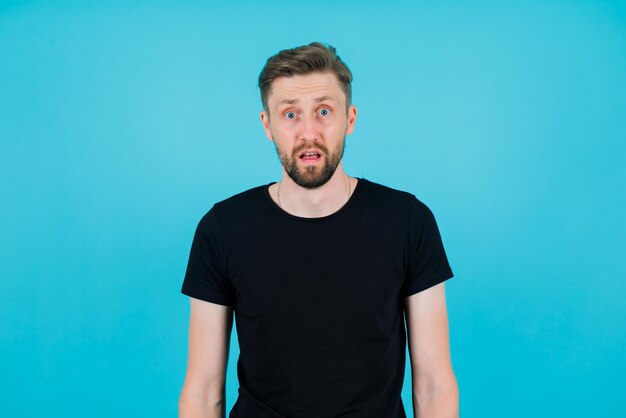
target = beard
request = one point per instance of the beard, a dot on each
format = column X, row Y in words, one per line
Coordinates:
column 311, row 176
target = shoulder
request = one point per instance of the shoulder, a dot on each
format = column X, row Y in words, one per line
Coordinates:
column 243, row 199
column 389, row 196
column 233, row 207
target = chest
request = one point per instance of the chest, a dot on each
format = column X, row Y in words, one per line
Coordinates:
column 323, row 279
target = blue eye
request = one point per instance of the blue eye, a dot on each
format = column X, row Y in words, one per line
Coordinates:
column 290, row 115
column 324, row 112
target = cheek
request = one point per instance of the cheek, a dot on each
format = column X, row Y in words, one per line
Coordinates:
column 281, row 127
column 336, row 128
column 287, row 133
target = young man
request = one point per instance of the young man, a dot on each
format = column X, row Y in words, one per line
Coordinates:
column 320, row 270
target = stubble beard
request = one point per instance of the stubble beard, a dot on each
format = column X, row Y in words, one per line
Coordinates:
column 311, row 176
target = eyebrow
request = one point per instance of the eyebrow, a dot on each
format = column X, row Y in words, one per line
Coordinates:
column 294, row 101
column 288, row 101
column 321, row 99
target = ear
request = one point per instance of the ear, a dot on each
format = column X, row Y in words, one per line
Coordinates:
column 265, row 120
column 351, row 119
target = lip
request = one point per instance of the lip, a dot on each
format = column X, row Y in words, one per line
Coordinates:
column 311, row 150
column 310, row 160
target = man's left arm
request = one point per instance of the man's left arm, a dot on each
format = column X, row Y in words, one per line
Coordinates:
column 435, row 390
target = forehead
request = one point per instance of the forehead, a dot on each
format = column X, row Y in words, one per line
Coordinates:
column 306, row 86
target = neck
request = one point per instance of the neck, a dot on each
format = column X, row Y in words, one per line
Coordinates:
column 318, row 202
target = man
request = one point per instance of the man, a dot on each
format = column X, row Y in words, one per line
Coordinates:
column 320, row 270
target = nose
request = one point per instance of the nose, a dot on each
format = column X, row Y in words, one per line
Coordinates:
column 309, row 130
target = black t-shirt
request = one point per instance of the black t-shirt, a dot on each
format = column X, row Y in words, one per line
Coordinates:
column 318, row 302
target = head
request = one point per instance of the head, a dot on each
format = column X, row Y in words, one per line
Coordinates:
column 306, row 59
column 306, row 95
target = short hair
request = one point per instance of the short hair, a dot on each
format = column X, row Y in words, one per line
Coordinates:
column 314, row 57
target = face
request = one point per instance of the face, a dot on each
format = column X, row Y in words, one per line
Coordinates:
column 308, row 122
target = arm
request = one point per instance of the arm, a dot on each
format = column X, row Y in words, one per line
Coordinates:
column 435, row 390
column 209, row 342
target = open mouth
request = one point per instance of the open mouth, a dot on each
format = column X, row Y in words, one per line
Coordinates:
column 310, row 156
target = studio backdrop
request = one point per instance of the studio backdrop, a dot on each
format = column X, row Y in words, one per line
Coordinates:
column 121, row 123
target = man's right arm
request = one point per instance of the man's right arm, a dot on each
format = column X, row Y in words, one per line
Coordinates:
column 203, row 393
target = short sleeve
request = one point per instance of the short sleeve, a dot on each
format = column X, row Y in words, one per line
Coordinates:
column 427, row 262
column 205, row 278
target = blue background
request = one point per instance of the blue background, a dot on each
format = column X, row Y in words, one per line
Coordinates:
column 122, row 123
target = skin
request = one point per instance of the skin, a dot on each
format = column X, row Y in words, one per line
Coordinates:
column 203, row 393
column 321, row 118
column 295, row 121
column 435, row 389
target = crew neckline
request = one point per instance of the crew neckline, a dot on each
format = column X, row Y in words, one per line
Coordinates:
column 338, row 212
